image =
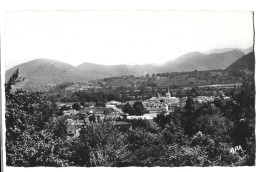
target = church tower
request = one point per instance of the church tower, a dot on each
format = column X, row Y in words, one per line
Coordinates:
column 168, row 94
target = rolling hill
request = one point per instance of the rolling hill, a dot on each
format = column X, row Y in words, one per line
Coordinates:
column 42, row 74
column 188, row 62
column 102, row 71
column 245, row 51
column 201, row 61
column 246, row 62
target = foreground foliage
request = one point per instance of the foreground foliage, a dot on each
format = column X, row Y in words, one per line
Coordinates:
column 196, row 135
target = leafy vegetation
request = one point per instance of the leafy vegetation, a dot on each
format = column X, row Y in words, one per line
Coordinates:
column 30, row 140
column 196, row 135
column 137, row 109
column 126, row 88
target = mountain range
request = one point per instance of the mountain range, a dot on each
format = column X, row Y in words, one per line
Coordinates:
column 245, row 63
column 44, row 73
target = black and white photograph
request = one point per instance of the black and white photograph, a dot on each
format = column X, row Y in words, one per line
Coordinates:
column 129, row 88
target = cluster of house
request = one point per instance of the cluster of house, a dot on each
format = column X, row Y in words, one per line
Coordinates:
column 202, row 99
column 88, row 115
column 114, row 111
column 222, row 86
column 163, row 103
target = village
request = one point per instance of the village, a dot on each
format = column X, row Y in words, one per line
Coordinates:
column 129, row 88
column 113, row 111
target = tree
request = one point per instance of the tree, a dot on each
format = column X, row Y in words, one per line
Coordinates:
column 171, row 121
column 218, row 103
column 189, row 104
column 100, row 104
column 100, row 145
column 161, row 119
column 139, row 108
column 87, row 105
column 82, row 103
column 129, row 109
column 241, row 110
column 29, row 140
column 54, row 106
column 188, row 116
column 148, row 125
column 76, row 106
column 194, row 92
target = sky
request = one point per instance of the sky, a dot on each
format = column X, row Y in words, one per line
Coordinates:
column 120, row 37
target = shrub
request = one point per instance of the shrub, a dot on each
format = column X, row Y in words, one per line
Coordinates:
column 145, row 147
column 176, row 156
column 100, row 144
column 148, row 125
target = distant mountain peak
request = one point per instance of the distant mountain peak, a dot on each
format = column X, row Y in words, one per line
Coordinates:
column 42, row 72
column 247, row 62
column 223, row 50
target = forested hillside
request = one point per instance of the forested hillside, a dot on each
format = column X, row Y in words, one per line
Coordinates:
column 245, row 63
column 43, row 74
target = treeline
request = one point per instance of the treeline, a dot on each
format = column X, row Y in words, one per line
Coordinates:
column 196, row 135
column 85, row 96
column 209, row 76
column 121, row 94
column 126, row 88
column 128, row 94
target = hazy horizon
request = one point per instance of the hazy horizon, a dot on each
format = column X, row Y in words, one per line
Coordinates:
column 119, row 64
column 121, row 37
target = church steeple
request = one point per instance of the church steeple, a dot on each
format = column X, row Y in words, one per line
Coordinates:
column 168, row 95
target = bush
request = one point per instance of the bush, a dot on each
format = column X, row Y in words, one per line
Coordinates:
column 76, row 106
column 100, row 145
column 148, row 125
column 29, row 142
column 176, row 156
column 145, row 147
